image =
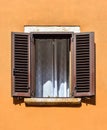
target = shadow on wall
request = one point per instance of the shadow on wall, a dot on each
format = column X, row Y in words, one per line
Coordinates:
column 18, row 100
column 89, row 100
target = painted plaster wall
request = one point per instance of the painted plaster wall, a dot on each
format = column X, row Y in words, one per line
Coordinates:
column 91, row 15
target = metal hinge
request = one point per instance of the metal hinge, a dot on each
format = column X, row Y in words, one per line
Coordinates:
column 72, row 39
column 32, row 93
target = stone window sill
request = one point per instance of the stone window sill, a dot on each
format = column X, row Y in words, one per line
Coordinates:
column 52, row 101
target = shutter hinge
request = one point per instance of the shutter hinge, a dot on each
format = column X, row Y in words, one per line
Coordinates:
column 28, row 87
column 73, row 91
column 32, row 93
column 72, row 39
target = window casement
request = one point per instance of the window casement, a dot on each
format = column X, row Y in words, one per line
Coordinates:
column 53, row 65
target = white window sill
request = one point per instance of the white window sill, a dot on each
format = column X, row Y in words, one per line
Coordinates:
column 52, row 101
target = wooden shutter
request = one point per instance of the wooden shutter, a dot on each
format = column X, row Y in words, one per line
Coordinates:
column 83, row 65
column 21, row 64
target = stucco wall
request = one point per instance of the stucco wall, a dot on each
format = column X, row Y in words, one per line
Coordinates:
column 91, row 15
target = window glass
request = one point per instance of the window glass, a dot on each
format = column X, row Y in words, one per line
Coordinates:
column 52, row 67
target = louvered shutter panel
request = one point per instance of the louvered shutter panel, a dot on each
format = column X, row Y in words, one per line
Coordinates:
column 83, row 65
column 21, row 64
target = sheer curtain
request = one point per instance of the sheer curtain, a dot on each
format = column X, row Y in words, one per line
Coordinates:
column 62, row 67
column 52, row 67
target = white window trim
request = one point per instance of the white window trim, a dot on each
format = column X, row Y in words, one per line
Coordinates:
column 29, row 29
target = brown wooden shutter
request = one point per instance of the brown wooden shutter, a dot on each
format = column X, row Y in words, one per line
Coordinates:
column 83, row 65
column 21, row 64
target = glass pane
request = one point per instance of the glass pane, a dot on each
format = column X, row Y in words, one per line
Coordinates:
column 44, row 68
column 62, row 67
column 52, row 67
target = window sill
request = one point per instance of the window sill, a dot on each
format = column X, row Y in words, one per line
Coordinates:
column 52, row 101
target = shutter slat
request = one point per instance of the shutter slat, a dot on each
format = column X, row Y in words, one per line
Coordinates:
column 83, row 64
column 21, row 64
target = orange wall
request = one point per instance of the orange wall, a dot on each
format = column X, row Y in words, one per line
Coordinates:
column 91, row 15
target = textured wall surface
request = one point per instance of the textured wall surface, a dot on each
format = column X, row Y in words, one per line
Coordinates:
column 90, row 15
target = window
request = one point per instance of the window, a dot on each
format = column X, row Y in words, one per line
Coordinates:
column 53, row 64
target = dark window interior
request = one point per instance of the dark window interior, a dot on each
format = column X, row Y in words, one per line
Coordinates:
column 52, row 65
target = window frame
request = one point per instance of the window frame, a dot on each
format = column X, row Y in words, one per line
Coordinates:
column 33, row 53
column 47, row 101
